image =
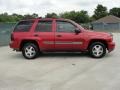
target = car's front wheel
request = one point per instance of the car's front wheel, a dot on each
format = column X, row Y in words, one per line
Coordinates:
column 97, row 50
column 30, row 51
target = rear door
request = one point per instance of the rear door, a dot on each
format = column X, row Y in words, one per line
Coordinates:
column 45, row 34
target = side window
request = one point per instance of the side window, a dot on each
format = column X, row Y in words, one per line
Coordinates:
column 23, row 26
column 44, row 26
column 64, row 26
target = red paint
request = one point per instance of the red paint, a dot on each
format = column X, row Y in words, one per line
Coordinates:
column 61, row 41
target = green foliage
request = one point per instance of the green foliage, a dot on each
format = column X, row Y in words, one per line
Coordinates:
column 79, row 16
column 51, row 15
column 28, row 16
column 115, row 11
column 100, row 12
column 16, row 17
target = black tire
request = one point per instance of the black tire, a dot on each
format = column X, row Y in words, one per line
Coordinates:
column 34, row 48
column 92, row 49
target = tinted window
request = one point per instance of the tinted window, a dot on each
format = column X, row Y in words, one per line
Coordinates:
column 23, row 26
column 44, row 26
column 64, row 26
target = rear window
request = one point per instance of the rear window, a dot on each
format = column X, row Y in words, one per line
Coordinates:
column 23, row 26
column 44, row 26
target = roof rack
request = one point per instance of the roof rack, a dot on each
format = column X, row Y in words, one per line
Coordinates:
column 47, row 17
column 39, row 17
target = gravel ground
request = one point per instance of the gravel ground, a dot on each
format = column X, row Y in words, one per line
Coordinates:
column 67, row 71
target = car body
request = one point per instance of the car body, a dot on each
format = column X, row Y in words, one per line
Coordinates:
column 58, row 35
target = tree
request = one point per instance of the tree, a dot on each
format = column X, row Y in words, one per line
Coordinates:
column 115, row 11
column 68, row 15
column 100, row 11
column 17, row 17
column 79, row 16
column 28, row 16
column 51, row 15
column 82, row 17
column 34, row 15
column 4, row 17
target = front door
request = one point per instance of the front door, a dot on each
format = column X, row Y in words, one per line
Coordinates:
column 64, row 36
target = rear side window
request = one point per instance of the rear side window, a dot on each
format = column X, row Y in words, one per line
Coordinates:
column 23, row 26
column 44, row 26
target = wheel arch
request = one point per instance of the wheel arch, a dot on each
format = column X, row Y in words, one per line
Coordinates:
column 23, row 42
column 97, row 40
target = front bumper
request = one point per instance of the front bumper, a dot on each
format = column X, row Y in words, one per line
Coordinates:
column 111, row 46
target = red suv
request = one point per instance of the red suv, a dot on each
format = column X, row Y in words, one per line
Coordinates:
column 58, row 35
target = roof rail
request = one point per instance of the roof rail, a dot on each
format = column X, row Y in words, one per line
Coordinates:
column 39, row 17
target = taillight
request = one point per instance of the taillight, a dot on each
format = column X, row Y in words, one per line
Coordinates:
column 110, row 39
column 12, row 38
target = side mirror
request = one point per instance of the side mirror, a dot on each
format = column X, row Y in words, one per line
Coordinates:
column 77, row 30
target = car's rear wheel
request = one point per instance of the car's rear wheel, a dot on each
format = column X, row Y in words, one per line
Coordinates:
column 30, row 51
column 97, row 50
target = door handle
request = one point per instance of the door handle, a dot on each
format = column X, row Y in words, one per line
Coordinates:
column 59, row 35
column 36, row 35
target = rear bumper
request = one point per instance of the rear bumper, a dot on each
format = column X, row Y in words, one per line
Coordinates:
column 111, row 46
column 14, row 45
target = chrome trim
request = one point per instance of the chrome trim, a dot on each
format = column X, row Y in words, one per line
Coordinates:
column 59, row 42
column 77, row 42
column 48, row 42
